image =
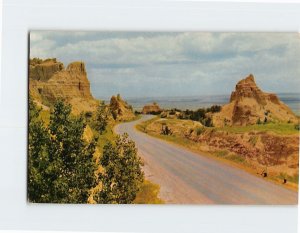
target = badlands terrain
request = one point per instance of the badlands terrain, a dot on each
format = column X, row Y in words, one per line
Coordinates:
column 245, row 152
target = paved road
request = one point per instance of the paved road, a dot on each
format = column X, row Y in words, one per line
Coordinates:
column 187, row 178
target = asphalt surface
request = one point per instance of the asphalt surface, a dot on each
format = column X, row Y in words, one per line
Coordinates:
column 189, row 178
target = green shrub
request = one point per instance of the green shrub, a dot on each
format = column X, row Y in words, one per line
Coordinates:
column 122, row 174
column 199, row 130
column 88, row 114
column 60, row 162
column 101, row 120
column 221, row 153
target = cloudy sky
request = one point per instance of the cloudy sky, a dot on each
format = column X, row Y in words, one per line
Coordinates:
column 147, row 64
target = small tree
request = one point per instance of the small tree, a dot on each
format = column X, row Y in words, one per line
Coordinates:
column 122, row 175
column 72, row 158
column 207, row 121
column 214, row 108
column 61, row 167
column 38, row 156
column 101, row 118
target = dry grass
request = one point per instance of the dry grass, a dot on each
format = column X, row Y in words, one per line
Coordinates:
column 225, row 155
column 277, row 128
column 45, row 116
column 148, row 194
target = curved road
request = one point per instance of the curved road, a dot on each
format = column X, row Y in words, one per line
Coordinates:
column 189, row 178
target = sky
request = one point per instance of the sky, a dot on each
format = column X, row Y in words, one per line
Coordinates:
column 162, row 64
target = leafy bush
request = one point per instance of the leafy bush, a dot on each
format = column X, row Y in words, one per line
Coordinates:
column 207, row 122
column 199, row 130
column 88, row 114
column 165, row 130
column 60, row 164
column 122, row 176
column 201, row 115
column 214, row 108
column 101, row 120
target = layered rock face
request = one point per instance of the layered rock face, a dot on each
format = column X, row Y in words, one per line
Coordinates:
column 49, row 81
column 151, row 108
column 120, row 109
column 250, row 105
column 43, row 70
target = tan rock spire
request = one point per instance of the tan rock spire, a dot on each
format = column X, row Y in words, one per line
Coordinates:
column 249, row 105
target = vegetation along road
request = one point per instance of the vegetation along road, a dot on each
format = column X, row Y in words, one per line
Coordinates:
column 187, row 178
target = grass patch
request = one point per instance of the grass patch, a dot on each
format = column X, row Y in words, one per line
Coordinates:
column 143, row 126
column 236, row 158
column 148, row 194
column 221, row 153
column 278, row 128
column 107, row 136
column 293, row 179
column 229, row 156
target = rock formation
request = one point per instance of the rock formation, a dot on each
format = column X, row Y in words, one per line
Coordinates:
column 43, row 70
column 151, row 109
column 250, row 105
column 49, row 81
column 120, row 109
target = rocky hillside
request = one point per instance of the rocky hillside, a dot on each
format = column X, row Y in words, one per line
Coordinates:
column 49, row 81
column 151, row 109
column 120, row 109
column 250, row 105
column 258, row 148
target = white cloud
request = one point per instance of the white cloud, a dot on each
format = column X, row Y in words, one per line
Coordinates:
column 175, row 63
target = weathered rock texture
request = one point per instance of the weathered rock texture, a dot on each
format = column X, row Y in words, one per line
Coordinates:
column 151, row 109
column 250, row 105
column 279, row 153
column 43, row 70
column 260, row 149
column 120, row 109
column 50, row 81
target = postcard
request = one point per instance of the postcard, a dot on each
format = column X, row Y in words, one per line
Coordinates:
column 163, row 118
